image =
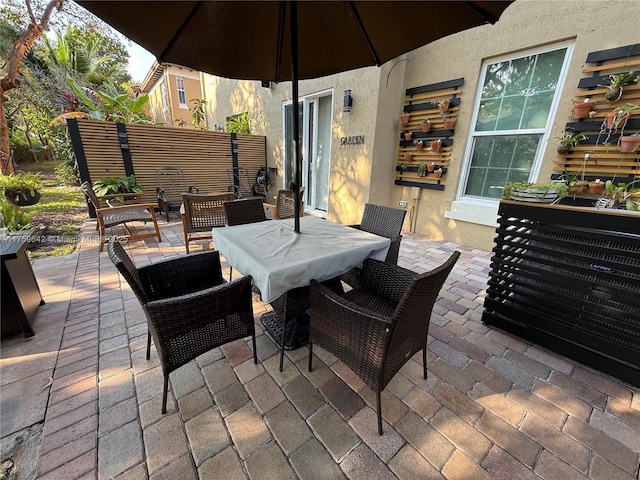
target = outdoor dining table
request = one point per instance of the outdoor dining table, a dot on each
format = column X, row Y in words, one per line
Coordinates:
column 283, row 262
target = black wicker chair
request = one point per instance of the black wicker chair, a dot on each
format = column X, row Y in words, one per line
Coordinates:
column 383, row 221
column 190, row 309
column 244, row 210
column 376, row 327
column 201, row 213
column 171, row 186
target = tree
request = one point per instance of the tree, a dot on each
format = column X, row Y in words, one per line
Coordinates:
column 11, row 80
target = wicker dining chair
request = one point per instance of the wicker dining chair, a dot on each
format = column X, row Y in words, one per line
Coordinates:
column 377, row 326
column 201, row 213
column 285, row 204
column 190, row 308
column 120, row 214
column 386, row 222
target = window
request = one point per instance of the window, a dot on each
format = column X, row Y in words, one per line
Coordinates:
column 514, row 111
column 512, row 117
column 182, row 93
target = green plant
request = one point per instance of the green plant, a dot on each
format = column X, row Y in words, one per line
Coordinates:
column 115, row 185
column 199, row 114
column 568, row 140
column 238, row 123
column 20, row 182
column 616, row 83
column 622, row 195
column 542, row 188
column 14, row 218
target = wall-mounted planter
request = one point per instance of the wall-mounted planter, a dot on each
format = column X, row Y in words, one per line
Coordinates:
column 419, row 145
column 435, row 145
column 404, row 118
column 596, row 187
column 431, row 167
column 582, row 109
column 438, row 173
column 425, row 126
column 408, row 156
column 443, row 105
column 629, row 144
column 408, row 135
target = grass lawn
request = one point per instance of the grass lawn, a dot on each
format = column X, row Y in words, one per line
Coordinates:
column 58, row 216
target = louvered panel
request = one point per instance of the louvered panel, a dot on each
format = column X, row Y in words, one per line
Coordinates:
column 569, row 279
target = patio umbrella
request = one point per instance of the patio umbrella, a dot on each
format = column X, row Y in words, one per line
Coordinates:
column 288, row 40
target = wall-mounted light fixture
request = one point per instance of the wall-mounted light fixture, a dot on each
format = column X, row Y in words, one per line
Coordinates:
column 348, row 101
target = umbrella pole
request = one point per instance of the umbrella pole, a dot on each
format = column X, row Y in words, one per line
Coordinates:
column 297, row 158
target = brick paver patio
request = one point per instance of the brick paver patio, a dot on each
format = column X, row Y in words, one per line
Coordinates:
column 80, row 401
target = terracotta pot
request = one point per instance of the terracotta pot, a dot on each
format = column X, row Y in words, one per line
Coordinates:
column 629, row 144
column 408, row 135
column 444, row 106
column 438, row 173
column 404, row 118
column 617, row 120
column 449, row 123
column 425, row 126
column 435, row 145
column 596, row 187
column 431, row 167
column 419, row 146
column 582, row 109
column 408, row 156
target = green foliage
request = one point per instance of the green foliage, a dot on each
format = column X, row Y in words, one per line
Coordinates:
column 20, row 182
column 199, row 114
column 561, row 187
column 14, row 218
column 568, row 140
column 622, row 195
column 115, row 185
column 107, row 103
column 238, row 123
column 616, row 82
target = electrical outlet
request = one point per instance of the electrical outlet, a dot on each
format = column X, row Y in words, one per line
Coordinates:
column 402, row 203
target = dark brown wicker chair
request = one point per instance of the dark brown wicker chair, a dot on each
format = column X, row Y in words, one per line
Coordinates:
column 201, row 214
column 244, row 210
column 376, row 327
column 109, row 216
column 190, row 309
column 383, row 221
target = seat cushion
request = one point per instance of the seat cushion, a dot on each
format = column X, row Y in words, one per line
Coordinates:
column 118, row 217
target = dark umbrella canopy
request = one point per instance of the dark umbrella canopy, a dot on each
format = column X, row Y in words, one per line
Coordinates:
column 252, row 40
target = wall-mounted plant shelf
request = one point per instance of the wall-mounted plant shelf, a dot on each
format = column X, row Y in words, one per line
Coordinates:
column 422, row 103
column 599, row 155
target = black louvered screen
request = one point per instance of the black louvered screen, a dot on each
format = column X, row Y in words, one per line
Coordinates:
column 569, row 279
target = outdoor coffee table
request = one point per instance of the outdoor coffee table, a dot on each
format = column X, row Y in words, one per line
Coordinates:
column 283, row 263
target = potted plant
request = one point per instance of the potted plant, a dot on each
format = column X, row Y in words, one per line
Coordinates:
column 115, row 185
column 21, row 188
column 449, row 122
column 435, row 145
column 629, row 143
column 425, row 126
column 404, row 118
column 431, row 167
column 568, row 140
column 618, row 117
column 408, row 135
column 422, row 169
column 408, row 156
column 597, row 186
column 582, row 109
column 438, row 173
column 620, row 195
column 616, row 82
column 419, row 144
column 443, row 105
column 537, row 193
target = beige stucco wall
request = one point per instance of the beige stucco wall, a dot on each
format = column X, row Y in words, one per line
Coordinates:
column 525, row 24
column 364, row 173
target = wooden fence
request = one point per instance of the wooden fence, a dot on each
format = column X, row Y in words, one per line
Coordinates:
column 208, row 158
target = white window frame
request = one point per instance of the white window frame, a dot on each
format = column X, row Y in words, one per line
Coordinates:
column 481, row 210
column 182, row 92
